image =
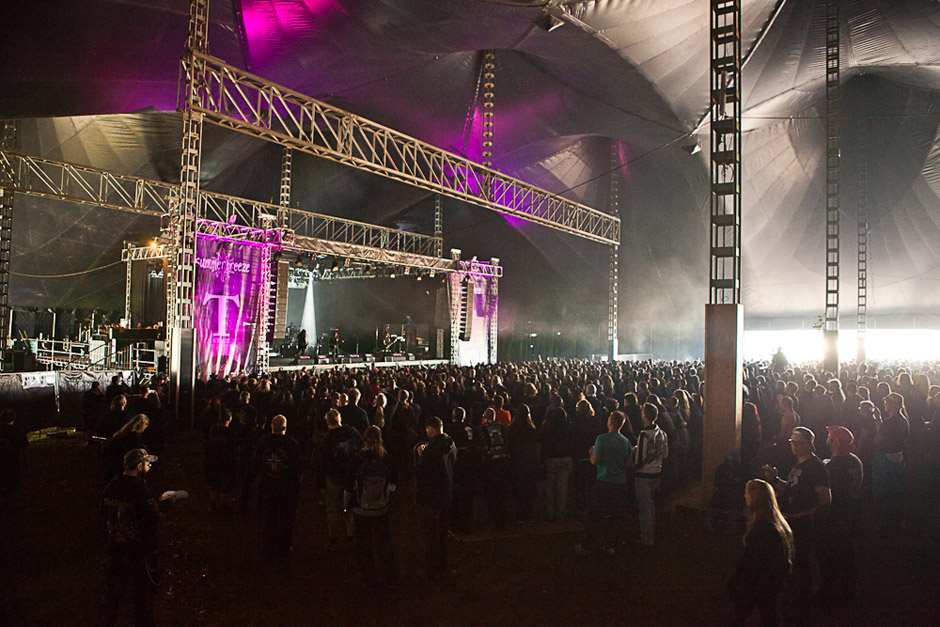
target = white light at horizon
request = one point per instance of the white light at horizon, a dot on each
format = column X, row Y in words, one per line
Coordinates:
column 881, row 345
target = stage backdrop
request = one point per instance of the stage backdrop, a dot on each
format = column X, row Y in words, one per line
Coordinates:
column 228, row 285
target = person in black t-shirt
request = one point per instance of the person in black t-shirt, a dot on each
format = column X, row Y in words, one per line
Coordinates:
column 222, row 457
column 461, row 432
column 836, row 549
column 339, row 446
column 352, row 414
column 131, row 514
column 434, row 478
column 801, row 497
column 492, row 453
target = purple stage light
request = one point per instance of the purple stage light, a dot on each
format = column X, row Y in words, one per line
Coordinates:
column 268, row 24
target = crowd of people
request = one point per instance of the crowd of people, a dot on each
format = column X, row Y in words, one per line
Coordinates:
column 557, row 440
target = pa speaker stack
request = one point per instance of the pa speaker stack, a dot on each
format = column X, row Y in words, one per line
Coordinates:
column 466, row 305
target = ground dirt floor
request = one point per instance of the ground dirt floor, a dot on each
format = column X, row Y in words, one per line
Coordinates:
column 52, row 565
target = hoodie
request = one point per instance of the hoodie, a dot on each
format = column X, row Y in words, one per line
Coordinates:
column 434, row 472
column 651, row 449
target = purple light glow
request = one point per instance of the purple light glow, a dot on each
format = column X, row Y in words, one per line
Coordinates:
column 270, row 26
column 515, row 221
column 623, row 158
column 228, row 289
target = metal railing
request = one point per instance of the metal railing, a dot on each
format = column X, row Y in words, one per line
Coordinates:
column 93, row 355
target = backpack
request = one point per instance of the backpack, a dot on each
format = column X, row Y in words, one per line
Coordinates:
column 373, row 489
column 493, row 444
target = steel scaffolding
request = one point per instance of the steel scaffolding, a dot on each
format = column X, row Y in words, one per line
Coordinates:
column 439, row 225
column 263, row 357
column 831, row 330
column 184, row 206
column 283, row 219
column 38, row 176
column 862, row 198
column 613, row 278
column 7, row 141
column 489, row 84
column 236, row 99
column 493, row 339
column 286, row 166
column 725, row 242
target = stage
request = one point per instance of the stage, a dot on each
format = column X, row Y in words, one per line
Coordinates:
column 289, row 363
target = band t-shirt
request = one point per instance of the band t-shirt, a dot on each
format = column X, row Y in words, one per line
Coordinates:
column 802, row 482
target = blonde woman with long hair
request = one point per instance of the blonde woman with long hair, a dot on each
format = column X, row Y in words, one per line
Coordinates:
column 767, row 558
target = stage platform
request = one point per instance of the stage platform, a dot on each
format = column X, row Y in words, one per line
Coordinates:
column 288, row 363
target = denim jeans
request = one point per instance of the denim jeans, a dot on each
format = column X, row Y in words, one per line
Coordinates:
column 645, row 488
column 557, row 474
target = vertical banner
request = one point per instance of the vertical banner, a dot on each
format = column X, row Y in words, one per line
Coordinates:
column 228, row 286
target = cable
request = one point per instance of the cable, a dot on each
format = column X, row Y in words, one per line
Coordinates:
column 62, row 276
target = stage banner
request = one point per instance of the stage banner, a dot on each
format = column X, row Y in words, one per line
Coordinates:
column 228, row 286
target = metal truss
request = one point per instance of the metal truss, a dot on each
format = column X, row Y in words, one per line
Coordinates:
column 862, row 198
column 312, row 225
column 263, row 358
column 127, row 282
column 238, row 233
column 489, row 77
column 832, row 169
column 286, row 177
column 299, row 277
column 38, row 176
column 613, row 277
column 7, row 178
column 143, row 253
column 381, row 256
column 453, row 293
column 493, row 339
column 725, row 241
column 439, row 225
column 236, row 99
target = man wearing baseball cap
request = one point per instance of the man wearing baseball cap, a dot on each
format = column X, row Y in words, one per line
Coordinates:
column 801, row 497
column 836, row 546
column 131, row 514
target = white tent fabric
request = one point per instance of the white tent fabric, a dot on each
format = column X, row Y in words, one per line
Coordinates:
column 632, row 74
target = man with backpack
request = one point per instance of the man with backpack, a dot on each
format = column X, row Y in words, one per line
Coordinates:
column 368, row 489
column 493, row 454
column 339, row 446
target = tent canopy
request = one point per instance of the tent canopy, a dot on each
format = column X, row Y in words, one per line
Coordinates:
column 620, row 90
